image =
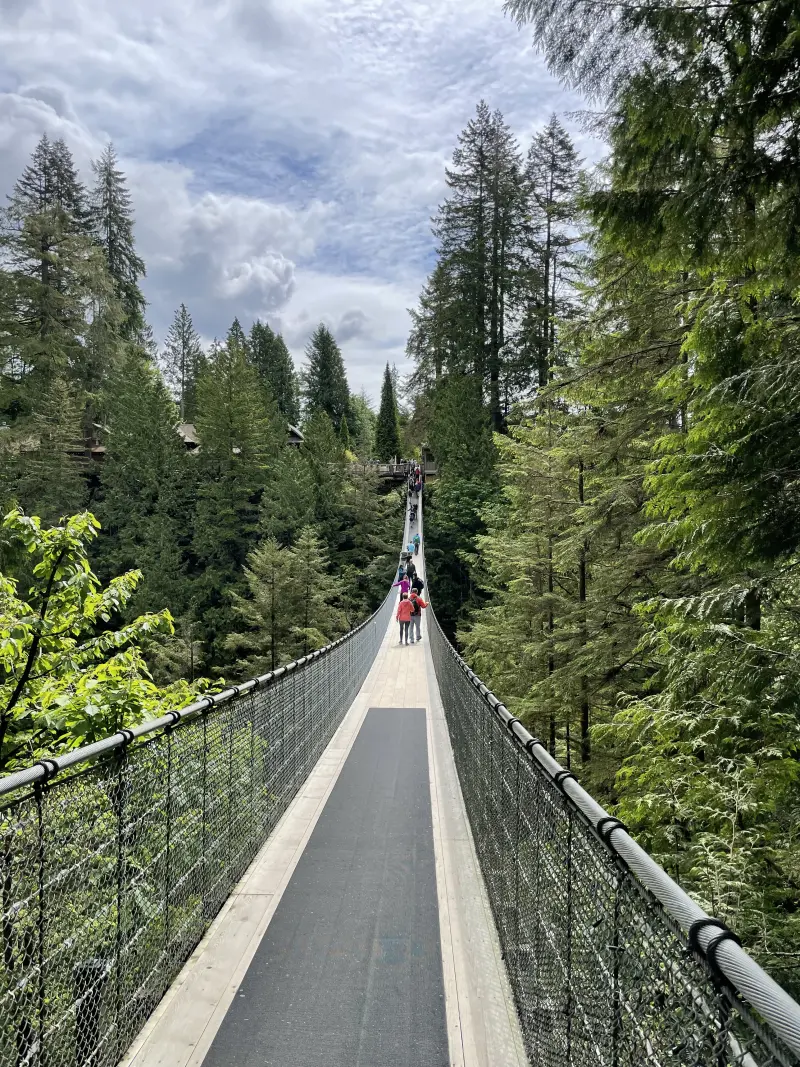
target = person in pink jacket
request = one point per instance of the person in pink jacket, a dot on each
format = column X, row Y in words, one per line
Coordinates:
column 404, row 584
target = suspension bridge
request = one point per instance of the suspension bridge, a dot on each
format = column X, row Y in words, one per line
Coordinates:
column 359, row 859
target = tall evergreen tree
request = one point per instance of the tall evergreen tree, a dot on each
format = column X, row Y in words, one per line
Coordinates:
column 242, row 440
column 238, row 337
column 274, row 363
column 326, row 387
column 146, row 488
column 387, row 436
column 267, row 607
column 478, row 231
column 324, row 456
column 362, row 422
column 183, row 362
column 701, row 199
column 58, row 282
column 317, row 618
column 112, row 223
column 552, row 175
column 52, row 466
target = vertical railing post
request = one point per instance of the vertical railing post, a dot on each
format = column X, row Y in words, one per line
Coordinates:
column 204, row 828
column 40, row 924
column 119, row 938
column 517, row 833
column 616, row 993
column 168, row 846
column 229, row 836
column 569, row 935
column 253, row 827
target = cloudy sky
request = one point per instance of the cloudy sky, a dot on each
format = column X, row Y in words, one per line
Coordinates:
column 285, row 156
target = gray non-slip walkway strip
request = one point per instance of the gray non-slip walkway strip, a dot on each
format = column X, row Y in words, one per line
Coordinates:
column 349, row 973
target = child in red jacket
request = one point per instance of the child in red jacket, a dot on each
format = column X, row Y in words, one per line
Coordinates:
column 404, row 611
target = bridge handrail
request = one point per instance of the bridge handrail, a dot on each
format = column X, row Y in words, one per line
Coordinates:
column 111, row 874
column 737, row 984
column 45, row 769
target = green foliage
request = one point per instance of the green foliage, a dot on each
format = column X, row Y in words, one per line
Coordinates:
column 326, row 390
column 387, row 434
column 183, row 361
column 326, row 463
column 271, row 358
column 289, row 605
column 66, row 678
column 146, row 488
column 112, row 224
column 362, row 424
column 86, row 415
column 243, row 439
column 47, row 468
column 372, row 525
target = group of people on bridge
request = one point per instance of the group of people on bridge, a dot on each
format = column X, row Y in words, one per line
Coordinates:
column 415, row 481
column 411, row 605
column 410, row 583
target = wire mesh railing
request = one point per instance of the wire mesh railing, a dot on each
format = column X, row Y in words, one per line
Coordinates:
column 610, row 962
column 115, row 859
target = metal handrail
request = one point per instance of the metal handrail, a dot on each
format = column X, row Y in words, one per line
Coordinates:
column 45, row 769
column 749, row 986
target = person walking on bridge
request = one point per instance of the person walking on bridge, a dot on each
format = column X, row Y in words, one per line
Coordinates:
column 411, row 570
column 416, row 615
column 417, row 584
column 416, row 548
column 404, row 584
column 404, row 612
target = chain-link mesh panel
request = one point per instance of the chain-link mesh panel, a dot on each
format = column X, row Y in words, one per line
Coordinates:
column 110, row 874
column 600, row 973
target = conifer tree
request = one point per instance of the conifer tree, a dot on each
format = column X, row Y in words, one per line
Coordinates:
column 700, row 200
column 183, row 362
column 53, row 467
column 267, row 607
column 274, row 363
column 59, row 281
column 387, row 436
column 242, row 438
column 146, row 491
column 112, row 223
column 324, row 456
column 237, row 336
column 326, row 387
column 372, row 529
column 362, row 423
column 291, row 501
column 317, row 619
column 552, row 173
column 478, row 230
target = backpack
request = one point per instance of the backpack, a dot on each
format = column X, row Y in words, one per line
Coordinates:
column 416, row 609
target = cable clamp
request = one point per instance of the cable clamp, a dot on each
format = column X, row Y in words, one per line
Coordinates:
column 710, row 952
column 175, row 718
column 510, row 725
column 605, row 828
column 126, row 735
column 50, row 768
column 561, row 777
column 533, row 741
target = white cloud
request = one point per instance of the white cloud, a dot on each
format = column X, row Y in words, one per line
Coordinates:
column 284, row 155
